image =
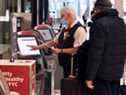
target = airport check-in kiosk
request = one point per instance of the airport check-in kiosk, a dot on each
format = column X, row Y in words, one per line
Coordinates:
column 24, row 52
column 46, row 34
column 41, row 34
column 24, row 39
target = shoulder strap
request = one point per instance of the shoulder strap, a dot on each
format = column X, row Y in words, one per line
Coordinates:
column 74, row 28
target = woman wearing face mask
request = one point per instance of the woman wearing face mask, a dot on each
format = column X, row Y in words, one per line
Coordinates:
column 68, row 41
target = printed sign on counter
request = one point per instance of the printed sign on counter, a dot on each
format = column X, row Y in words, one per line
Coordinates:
column 20, row 76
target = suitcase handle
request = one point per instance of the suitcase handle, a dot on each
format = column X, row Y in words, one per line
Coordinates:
column 72, row 76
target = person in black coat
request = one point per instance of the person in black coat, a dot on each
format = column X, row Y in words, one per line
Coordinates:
column 107, row 50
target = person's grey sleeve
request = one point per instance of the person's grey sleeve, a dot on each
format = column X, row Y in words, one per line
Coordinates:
column 96, row 50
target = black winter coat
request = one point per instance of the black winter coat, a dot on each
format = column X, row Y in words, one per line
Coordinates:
column 107, row 47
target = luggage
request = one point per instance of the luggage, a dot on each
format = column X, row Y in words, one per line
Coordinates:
column 70, row 85
column 123, row 82
column 123, row 90
column 123, row 86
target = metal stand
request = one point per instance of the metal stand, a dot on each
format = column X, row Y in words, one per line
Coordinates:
column 51, row 69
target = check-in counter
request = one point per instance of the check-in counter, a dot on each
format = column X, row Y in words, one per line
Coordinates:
column 19, row 76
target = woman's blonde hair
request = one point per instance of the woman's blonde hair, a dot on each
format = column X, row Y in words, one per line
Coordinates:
column 68, row 10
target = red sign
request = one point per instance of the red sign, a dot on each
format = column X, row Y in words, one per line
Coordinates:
column 20, row 78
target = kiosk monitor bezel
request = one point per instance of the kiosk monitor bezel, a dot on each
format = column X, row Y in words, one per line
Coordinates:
column 50, row 33
column 28, row 55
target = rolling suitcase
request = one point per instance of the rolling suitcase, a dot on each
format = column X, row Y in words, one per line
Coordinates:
column 123, row 90
column 123, row 82
column 70, row 85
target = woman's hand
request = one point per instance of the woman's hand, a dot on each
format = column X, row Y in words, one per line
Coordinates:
column 56, row 50
column 33, row 47
column 43, row 46
column 89, row 84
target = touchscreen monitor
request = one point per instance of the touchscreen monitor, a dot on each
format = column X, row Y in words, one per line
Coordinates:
column 46, row 34
column 23, row 44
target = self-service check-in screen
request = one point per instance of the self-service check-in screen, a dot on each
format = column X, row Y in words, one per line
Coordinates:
column 46, row 34
column 24, row 42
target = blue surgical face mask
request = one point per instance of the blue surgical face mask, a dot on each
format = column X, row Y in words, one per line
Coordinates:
column 64, row 23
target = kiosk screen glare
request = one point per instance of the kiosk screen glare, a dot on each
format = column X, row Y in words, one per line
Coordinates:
column 23, row 43
column 46, row 34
